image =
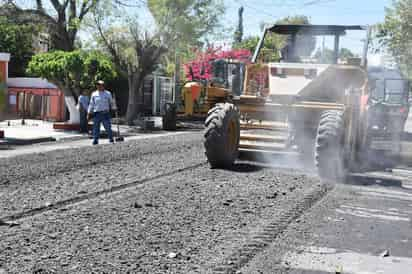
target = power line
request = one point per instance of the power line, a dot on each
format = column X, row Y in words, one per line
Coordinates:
column 316, row 2
column 127, row 4
column 258, row 10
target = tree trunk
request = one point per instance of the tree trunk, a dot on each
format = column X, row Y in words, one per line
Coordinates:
column 135, row 96
column 70, row 100
column 132, row 101
column 73, row 111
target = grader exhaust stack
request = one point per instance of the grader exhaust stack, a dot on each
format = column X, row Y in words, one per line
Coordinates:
column 299, row 103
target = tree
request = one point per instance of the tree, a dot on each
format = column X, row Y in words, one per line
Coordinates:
column 63, row 22
column 135, row 53
column 345, row 53
column 183, row 24
column 275, row 42
column 250, row 43
column 17, row 40
column 395, row 33
column 328, row 56
column 239, row 31
column 72, row 72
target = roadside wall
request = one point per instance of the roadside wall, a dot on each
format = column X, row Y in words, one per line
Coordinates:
column 4, row 59
column 37, row 103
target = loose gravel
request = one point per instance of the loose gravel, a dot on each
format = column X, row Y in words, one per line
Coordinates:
column 39, row 165
column 24, row 195
column 178, row 220
column 183, row 223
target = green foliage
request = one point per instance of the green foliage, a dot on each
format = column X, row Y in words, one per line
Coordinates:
column 274, row 42
column 395, row 33
column 185, row 24
column 62, row 20
column 250, row 43
column 17, row 40
column 185, row 21
column 72, row 71
column 346, row 53
column 327, row 57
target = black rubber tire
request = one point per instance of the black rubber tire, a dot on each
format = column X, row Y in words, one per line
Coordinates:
column 221, row 151
column 329, row 158
column 169, row 117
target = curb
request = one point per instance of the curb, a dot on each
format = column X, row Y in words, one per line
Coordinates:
column 15, row 141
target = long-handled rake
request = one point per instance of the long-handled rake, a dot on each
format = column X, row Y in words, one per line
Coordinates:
column 118, row 138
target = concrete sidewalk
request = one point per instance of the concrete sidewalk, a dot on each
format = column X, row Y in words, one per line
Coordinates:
column 69, row 144
column 38, row 131
column 34, row 131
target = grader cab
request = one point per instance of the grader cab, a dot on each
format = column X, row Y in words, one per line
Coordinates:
column 300, row 103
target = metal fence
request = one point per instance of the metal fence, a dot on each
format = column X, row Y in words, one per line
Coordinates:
column 36, row 106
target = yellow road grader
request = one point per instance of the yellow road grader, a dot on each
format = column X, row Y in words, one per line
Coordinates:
column 324, row 111
column 198, row 96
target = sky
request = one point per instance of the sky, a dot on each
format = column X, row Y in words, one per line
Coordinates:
column 332, row 12
column 339, row 12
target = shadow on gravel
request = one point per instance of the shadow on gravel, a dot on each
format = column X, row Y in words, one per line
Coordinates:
column 372, row 180
column 305, row 271
column 245, row 168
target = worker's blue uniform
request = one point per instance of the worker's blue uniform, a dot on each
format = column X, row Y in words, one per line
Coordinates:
column 101, row 103
column 83, row 108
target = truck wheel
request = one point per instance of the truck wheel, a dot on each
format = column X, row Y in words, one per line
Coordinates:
column 222, row 135
column 169, row 117
column 329, row 146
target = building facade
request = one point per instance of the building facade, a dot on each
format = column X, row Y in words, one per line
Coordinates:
column 33, row 98
column 36, row 98
column 4, row 60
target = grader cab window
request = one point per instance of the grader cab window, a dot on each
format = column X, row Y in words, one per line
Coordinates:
column 317, row 44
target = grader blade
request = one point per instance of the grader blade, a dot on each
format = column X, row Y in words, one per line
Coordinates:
column 262, row 138
column 274, row 126
column 269, row 147
column 266, row 140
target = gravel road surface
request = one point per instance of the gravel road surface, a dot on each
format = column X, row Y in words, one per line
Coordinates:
column 363, row 226
column 144, row 206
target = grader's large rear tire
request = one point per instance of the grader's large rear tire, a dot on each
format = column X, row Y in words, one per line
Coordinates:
column 329, row 146
column 222, row 135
